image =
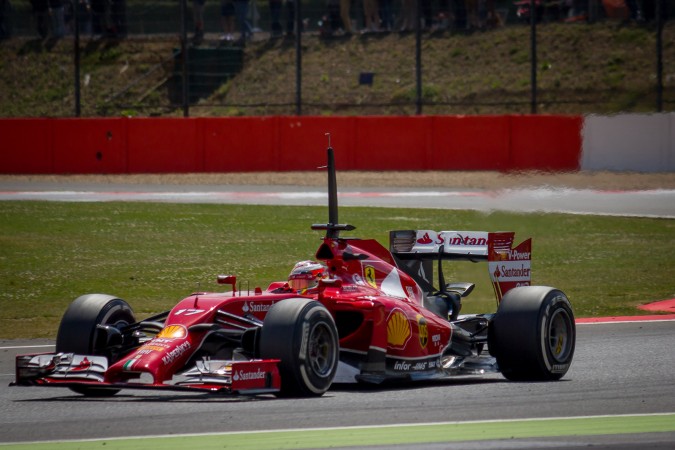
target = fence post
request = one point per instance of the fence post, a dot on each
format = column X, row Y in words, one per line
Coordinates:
column 76, row 57
column 659, row 55
column 185, row 91
column 298, row 59
column 418, row 59
column 533, row 56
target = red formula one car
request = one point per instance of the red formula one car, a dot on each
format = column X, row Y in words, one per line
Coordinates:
column 374, row 315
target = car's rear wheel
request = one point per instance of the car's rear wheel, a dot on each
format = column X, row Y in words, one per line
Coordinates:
column 533, row 334
column 78, row 332
column 302, row 334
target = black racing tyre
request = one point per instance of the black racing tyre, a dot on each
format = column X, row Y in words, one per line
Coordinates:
column 302, row 334
column 78, row 331
column 533, row 334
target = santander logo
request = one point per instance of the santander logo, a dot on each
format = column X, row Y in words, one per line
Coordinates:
column 454, row 238
column 246, row 376
column 425, row 239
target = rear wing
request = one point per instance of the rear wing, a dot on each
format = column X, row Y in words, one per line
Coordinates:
column 416, row 250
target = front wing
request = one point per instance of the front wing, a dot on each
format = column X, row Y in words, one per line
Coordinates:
column 86, row 371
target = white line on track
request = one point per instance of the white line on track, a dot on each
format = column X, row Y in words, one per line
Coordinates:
column 356, row 427
column 605, row 322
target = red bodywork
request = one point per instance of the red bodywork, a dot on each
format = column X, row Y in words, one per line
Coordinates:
column 379, row 312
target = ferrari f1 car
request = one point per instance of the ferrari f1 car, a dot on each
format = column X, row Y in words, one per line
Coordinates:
column 377, row 315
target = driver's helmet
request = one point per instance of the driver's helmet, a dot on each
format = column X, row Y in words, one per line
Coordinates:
column 306, row 275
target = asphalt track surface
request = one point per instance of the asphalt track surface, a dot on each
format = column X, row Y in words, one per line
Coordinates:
column 618, row 369
column 638, row 203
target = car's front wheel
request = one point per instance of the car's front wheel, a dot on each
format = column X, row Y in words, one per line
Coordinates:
column 79, row 331
column 302, row 334
column 533, row 334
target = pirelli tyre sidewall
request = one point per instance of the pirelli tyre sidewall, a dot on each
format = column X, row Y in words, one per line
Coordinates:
column 302, row 334
column 533, row 334
column 78, row 332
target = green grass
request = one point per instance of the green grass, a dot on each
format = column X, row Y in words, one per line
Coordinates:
column 152, row 255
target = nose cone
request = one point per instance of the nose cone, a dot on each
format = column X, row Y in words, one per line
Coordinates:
column 159, row 358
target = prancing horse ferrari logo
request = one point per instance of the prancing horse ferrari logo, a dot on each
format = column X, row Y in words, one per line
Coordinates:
column 369, row 275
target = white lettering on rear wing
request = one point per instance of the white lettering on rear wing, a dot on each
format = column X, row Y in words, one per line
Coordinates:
column 451, row 242
column 456, row 242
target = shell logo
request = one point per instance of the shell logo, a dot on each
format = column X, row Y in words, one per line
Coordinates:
column 173, row 332
column 398, row 329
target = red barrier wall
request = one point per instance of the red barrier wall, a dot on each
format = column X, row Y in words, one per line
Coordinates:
column 471, row 143
column 393, row 143
column 241, row 144
column 89, row 146
column 174, row 145
column 302, row 142
column 164, row 146
column 26, row 146
column 544, row 142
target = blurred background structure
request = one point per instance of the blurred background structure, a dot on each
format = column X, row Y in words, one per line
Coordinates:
column 91, row 58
